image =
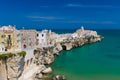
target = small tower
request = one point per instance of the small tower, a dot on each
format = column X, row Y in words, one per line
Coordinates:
column 50, row 31
column 23, row 28
column 82, row 28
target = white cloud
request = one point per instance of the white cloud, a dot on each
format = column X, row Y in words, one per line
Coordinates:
column 92, row 22
column 65, row 20
column 45, row 17
column 90, row 6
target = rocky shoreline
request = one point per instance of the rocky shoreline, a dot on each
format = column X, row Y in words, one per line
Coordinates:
column 15, row 68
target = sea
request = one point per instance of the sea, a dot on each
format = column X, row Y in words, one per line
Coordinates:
column 96, row 61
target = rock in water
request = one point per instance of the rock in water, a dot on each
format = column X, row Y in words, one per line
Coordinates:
column 47, row 70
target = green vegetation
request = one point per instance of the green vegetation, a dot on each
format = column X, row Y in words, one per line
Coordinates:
column 23, row 53
column 9, row 55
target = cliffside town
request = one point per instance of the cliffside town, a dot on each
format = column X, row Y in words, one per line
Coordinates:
column 40, row 48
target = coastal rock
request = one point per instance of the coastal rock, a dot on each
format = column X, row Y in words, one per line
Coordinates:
column 49, row 58
column 63, row 77
column 3, row 71
column 59, row 77
column 11, row 68
column 32, row 72
column 47, row 70
column 15, row 67
column 59, row 47
column 68, row 46
column 39, row 76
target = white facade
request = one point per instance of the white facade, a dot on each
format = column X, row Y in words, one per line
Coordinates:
column 42, row 38
column 2, row 48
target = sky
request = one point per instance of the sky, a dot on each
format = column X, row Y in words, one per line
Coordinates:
column 60, row 14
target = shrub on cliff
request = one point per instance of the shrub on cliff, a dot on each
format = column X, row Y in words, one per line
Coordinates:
column 9, row 55
column 23, row 53
column 3, row 56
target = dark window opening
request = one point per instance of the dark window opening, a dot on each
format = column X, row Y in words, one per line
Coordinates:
column 24, row 46
column 3, row 36
column 9, row 42
column 37, row 35
column 5, row 49
column 9, row 36
column 42, row 35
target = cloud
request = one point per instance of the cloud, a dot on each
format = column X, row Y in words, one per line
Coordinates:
column 65, row 20
column 90, row 6
column 92, row 22
column 45, row 18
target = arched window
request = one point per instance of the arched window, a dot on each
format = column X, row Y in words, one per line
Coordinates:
column 37, row 35
column 42, row 35
column 24, row 46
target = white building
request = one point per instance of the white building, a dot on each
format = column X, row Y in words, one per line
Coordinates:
column 75, row 35
column 43, row 38
column 2, row 48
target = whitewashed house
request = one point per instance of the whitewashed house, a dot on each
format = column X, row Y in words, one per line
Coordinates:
column 43, row 38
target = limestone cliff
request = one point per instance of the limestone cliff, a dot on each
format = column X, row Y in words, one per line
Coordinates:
column 16, row 68
column 11, row 68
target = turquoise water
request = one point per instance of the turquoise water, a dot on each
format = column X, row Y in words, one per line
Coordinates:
column 98, row 61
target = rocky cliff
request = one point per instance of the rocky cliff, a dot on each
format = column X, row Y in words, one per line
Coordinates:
column 16, row 68
column 11, row 68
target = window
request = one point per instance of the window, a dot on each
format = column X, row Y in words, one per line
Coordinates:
column 42, row 35
column 37, row 35
column 9, row 43
column 24, row 40
column 24, row 46
column 3, row 36
column 3, row 43
column 9, row 36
